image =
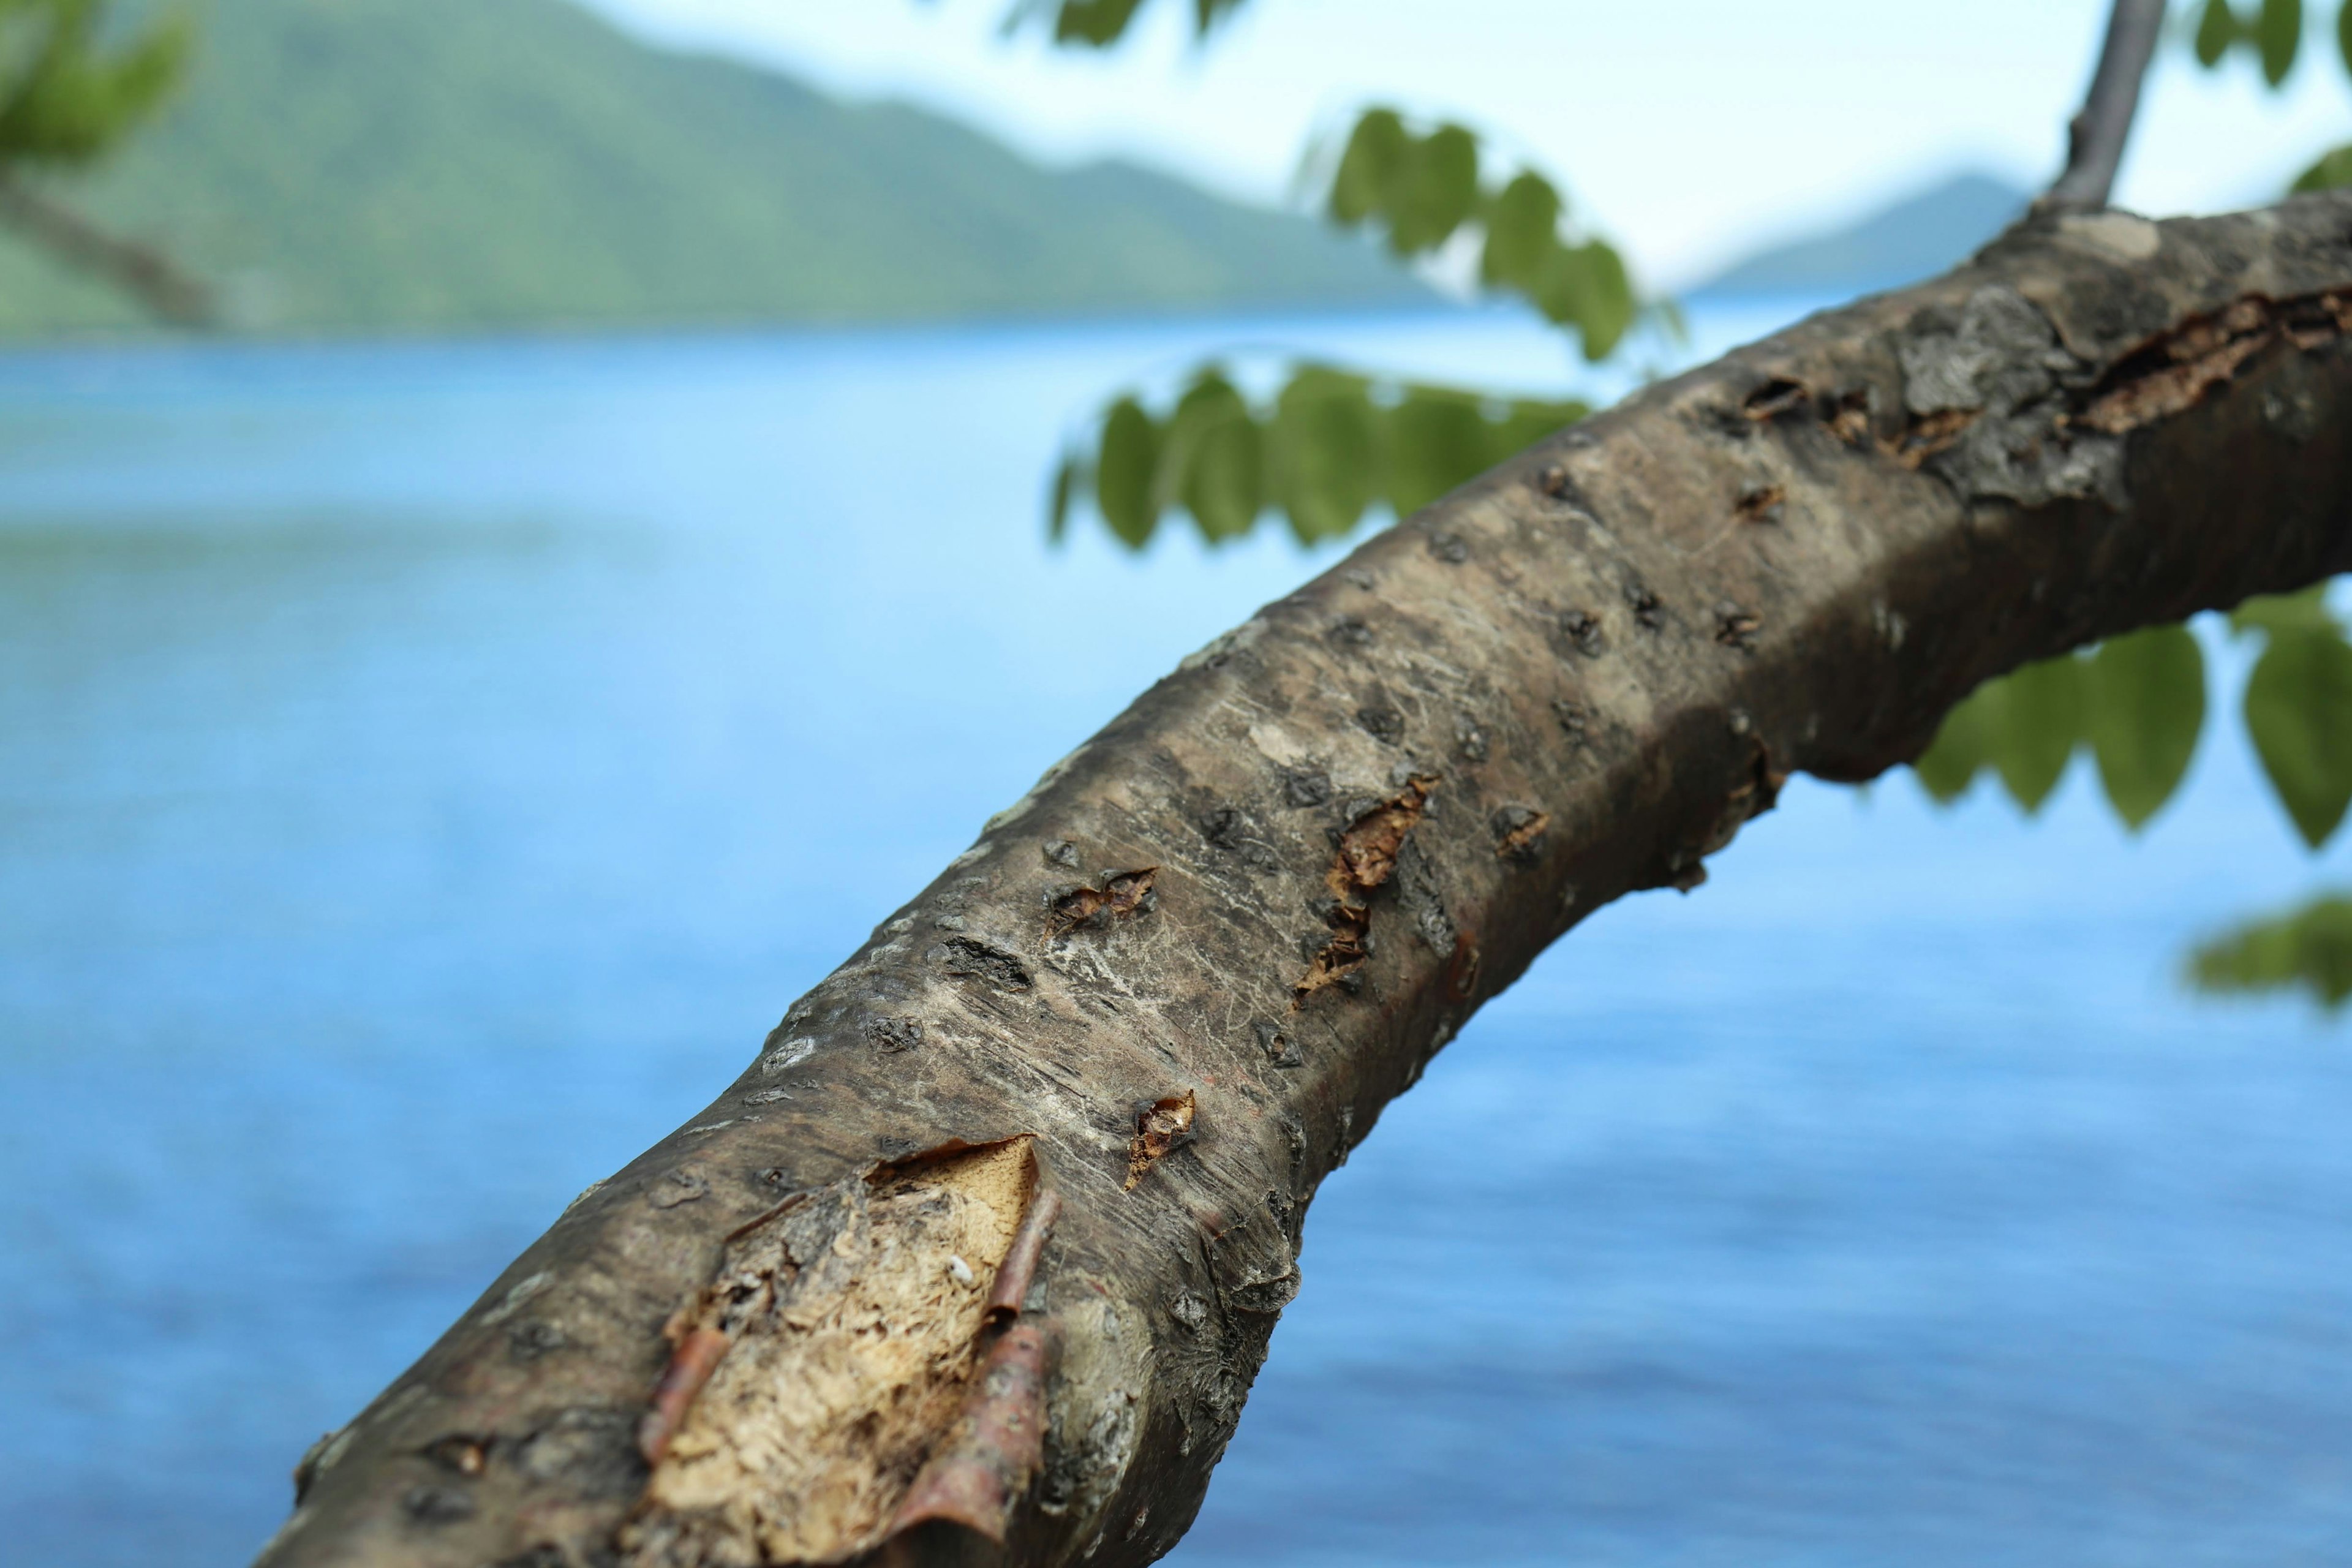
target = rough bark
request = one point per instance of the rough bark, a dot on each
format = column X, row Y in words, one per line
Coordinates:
column 1175, row 984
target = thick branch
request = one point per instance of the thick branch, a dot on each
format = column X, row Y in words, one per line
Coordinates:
column 1173, row 985
column 2096, row 137
column 142, row 271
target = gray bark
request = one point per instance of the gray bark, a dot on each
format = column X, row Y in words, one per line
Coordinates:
column 1176, row 983
column 2096, row 136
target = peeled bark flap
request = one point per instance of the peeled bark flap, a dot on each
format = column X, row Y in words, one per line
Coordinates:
column 1796, row 558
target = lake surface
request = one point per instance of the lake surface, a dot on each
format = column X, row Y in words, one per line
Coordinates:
column 426, row 771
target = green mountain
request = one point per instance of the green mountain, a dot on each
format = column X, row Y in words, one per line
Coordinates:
column 1916, row 237
column 389, row 165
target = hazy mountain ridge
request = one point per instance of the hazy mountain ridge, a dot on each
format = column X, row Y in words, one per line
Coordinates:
column 1914, row 238
column 394, row 165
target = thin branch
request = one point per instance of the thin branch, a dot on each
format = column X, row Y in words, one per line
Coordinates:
column 146, row 274
column 2096, row 137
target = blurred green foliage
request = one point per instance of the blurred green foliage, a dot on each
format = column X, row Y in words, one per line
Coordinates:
column 1328, row 444
column 1322, row 450
column 75, row 81
column 435, row 165
column 2137, row 705
column 2309, row 949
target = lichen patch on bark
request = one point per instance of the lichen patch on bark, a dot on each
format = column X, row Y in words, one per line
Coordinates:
column 851, row 1342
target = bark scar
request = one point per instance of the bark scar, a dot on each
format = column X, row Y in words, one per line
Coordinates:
column 1365, row 860
column 1162, row 1126
column 844, row 1354
column 1122, row 894
column 998, row 1445
column 2172, row 372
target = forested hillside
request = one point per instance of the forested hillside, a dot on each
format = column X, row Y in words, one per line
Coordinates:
column 381, row 165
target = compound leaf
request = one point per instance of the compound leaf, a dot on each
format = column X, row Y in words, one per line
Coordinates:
column 1213, row 459
column 1437, row 439
column 1064, row 491
column 2039, row 720
column 2146, row 709
column 1098, row 24
column 1370, row 167
column 2298, row 708
column 1125, row 483
column 1434, row 192
column 1324, row 452
column 1522, row 231
column 2278, row 32
column 1585, row 286
column 1963, row 745
column 2305, row 610
column 2334, row 168
column 2310, row 947
column 2216, row 29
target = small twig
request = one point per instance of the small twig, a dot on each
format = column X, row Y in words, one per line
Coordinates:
column 140, row 270
column 2096, row 137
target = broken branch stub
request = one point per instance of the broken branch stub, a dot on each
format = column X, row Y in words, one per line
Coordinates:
column 2100, row 423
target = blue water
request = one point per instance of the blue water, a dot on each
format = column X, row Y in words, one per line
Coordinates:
column 424, row 771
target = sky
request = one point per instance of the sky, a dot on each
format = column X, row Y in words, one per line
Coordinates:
column 1689, row 131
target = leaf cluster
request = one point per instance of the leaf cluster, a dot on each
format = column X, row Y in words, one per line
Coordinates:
column 70, row 87
column 2270, row 30
column 1424, row 188
column 1099, row 23
column 1332, row 444
column 2310, row 947
column 1326, row 448
column 2137, row 706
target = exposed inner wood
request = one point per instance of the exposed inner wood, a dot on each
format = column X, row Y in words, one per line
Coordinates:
column 854, row 1319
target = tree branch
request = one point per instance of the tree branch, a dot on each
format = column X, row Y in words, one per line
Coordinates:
column 2096, row 137
column 1171, row 987
column 144, row 273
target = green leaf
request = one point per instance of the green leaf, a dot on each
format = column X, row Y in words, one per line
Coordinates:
column 2279, row 31
column 2298, row 708
column 1057, row 504
column 1612, row 308
column 2216, row 29
column 1324, row 452
column 1437, row 439
column 1215, row 458
column 1522, row 231
column 1434, row 192
column 2344, row 37
column 2334, row 168
column 2146, row 708
column 2039, row 720
column 76, row 89
column 1124, row 486
column 1376, row 154
column 2310, row 947
column 2305, row 610
column 1962, row 746
column 1585, row 286
column 1098, row 24
column 1207, row 14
